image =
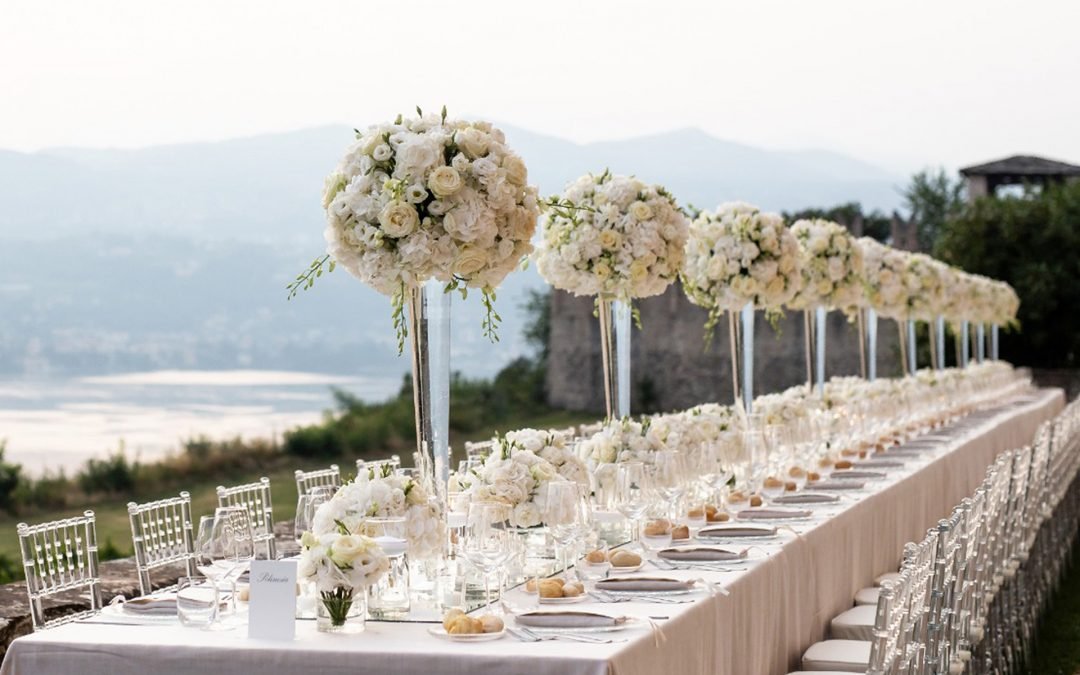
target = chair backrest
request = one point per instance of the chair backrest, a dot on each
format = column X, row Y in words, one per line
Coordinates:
column 478, row 449
column 162, row 534
column 378, row 468
column 919, row 562
column 60, row 556
column 255, row 497
column 305, row 480
column 892, row 604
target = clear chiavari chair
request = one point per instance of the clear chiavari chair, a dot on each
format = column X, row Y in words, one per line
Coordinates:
column 378, row 468
column 306, row 480
column 60, row 556
column 162, row 534
column 255, row 497
column 911, row 647
column 479, row 449
column 892, row 604
column 943, row 580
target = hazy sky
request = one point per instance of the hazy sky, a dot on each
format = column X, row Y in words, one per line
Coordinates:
column 902, row 84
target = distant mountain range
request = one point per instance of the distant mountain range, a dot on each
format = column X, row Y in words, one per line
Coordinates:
column 177, row 256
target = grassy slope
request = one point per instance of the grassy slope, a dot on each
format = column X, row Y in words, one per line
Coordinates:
column 112, row 515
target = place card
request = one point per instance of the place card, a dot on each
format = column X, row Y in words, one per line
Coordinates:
column 272, row 613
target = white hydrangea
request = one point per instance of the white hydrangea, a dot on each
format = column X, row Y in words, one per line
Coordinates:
column 925, row 284
column 612, row 236
column 625, row 440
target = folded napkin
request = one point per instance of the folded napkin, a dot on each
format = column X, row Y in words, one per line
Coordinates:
column 568, row 620
column 643, row 584
column 772, row 514
column 880, row 462
column 163, row 605
column 724, row 531
column 905, row 452
column 805, row 498
column 855, row 474
column 700, row 553
column 839, row 485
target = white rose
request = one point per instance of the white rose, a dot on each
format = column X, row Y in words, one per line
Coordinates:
column 610, row 239
column 345, row 549
column 640, row 211
column 398, row 219
column 526, row 515
column 473, row 141
column 470, row 260
column 445, row 181
column 516, row 172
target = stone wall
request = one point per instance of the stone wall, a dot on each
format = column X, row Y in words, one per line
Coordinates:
column 670, row 368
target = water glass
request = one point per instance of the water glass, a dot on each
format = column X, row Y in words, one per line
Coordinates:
column 197, row 600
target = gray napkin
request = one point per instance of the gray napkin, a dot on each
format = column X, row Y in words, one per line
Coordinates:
column 805, row 498
column 700, row 554
column 855, row 474
column 647, row 584
column 838, row 485
column 567, row 620
column 880, row 463
column 772, row 514
column 154, row 606
column 749, row 531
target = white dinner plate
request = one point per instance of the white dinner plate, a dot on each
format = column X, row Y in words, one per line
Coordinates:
column 440, row 632
column 565, row 601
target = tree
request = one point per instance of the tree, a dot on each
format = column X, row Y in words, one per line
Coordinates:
column 1033, row 243
column 874, row 224
column 932, row 198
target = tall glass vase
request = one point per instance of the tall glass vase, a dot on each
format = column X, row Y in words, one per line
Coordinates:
column 965, row 344
column 428, row 315
column 938, row 342
column 741, row 338
column 871, row 344
column 913, row 348
column 980, row 342
column 995, row 347
column 820, row 313
column 615, row 353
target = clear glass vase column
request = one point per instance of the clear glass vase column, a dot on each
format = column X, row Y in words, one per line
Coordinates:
column 939, row 343
column 995, row 347
column 965, row 344
column 871, row 345
column 980, row 342
column 820, row 314
column 428, row 309
column 615, row 353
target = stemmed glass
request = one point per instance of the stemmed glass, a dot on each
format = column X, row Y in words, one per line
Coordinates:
column 487, row 542
column 567, row 514
column 225, row 547
column 632, row 495
column 669, row 471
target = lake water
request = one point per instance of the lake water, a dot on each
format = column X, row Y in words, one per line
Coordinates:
column 61, row 423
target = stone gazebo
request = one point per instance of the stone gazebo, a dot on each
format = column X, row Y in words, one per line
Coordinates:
column 983, row 180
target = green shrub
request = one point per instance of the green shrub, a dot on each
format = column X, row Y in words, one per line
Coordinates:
column 113, row 475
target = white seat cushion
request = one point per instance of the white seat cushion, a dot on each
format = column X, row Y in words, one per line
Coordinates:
column 888, row 577
column 867, row 596
column 845, row 656
column 855, row 624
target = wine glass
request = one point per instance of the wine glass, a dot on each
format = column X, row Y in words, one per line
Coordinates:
column 567, row 514
column 669, row 472
column 632, row 495
column 316, row 497
column 302, row 519
column 487, row 542
column 225, row 548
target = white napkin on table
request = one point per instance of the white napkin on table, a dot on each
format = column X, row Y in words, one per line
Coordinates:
column 644, row 584
column 567, row 620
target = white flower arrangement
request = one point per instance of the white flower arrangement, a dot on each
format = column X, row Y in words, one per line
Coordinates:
column 624, row 440
column 884, row 270
column 428, row 198
column 925, row 286
column 382, row 497
column 519, row 467
column 334, row 560
column 612, row 236
column 1004, row 304
column 687, row 430
column 832, row 266
column 738, row 255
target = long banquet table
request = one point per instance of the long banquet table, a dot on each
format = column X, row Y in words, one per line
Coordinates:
column 772, row 611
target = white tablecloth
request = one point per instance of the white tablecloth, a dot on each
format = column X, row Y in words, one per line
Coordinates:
column 775, row 609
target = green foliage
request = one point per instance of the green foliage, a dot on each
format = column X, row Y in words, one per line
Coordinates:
column 10, row 477
column 10, row 570
column 114, row 475
column 110, row 551
column 876, row 224
column 932, row 198
column 1033, row 243
column 538, row 324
